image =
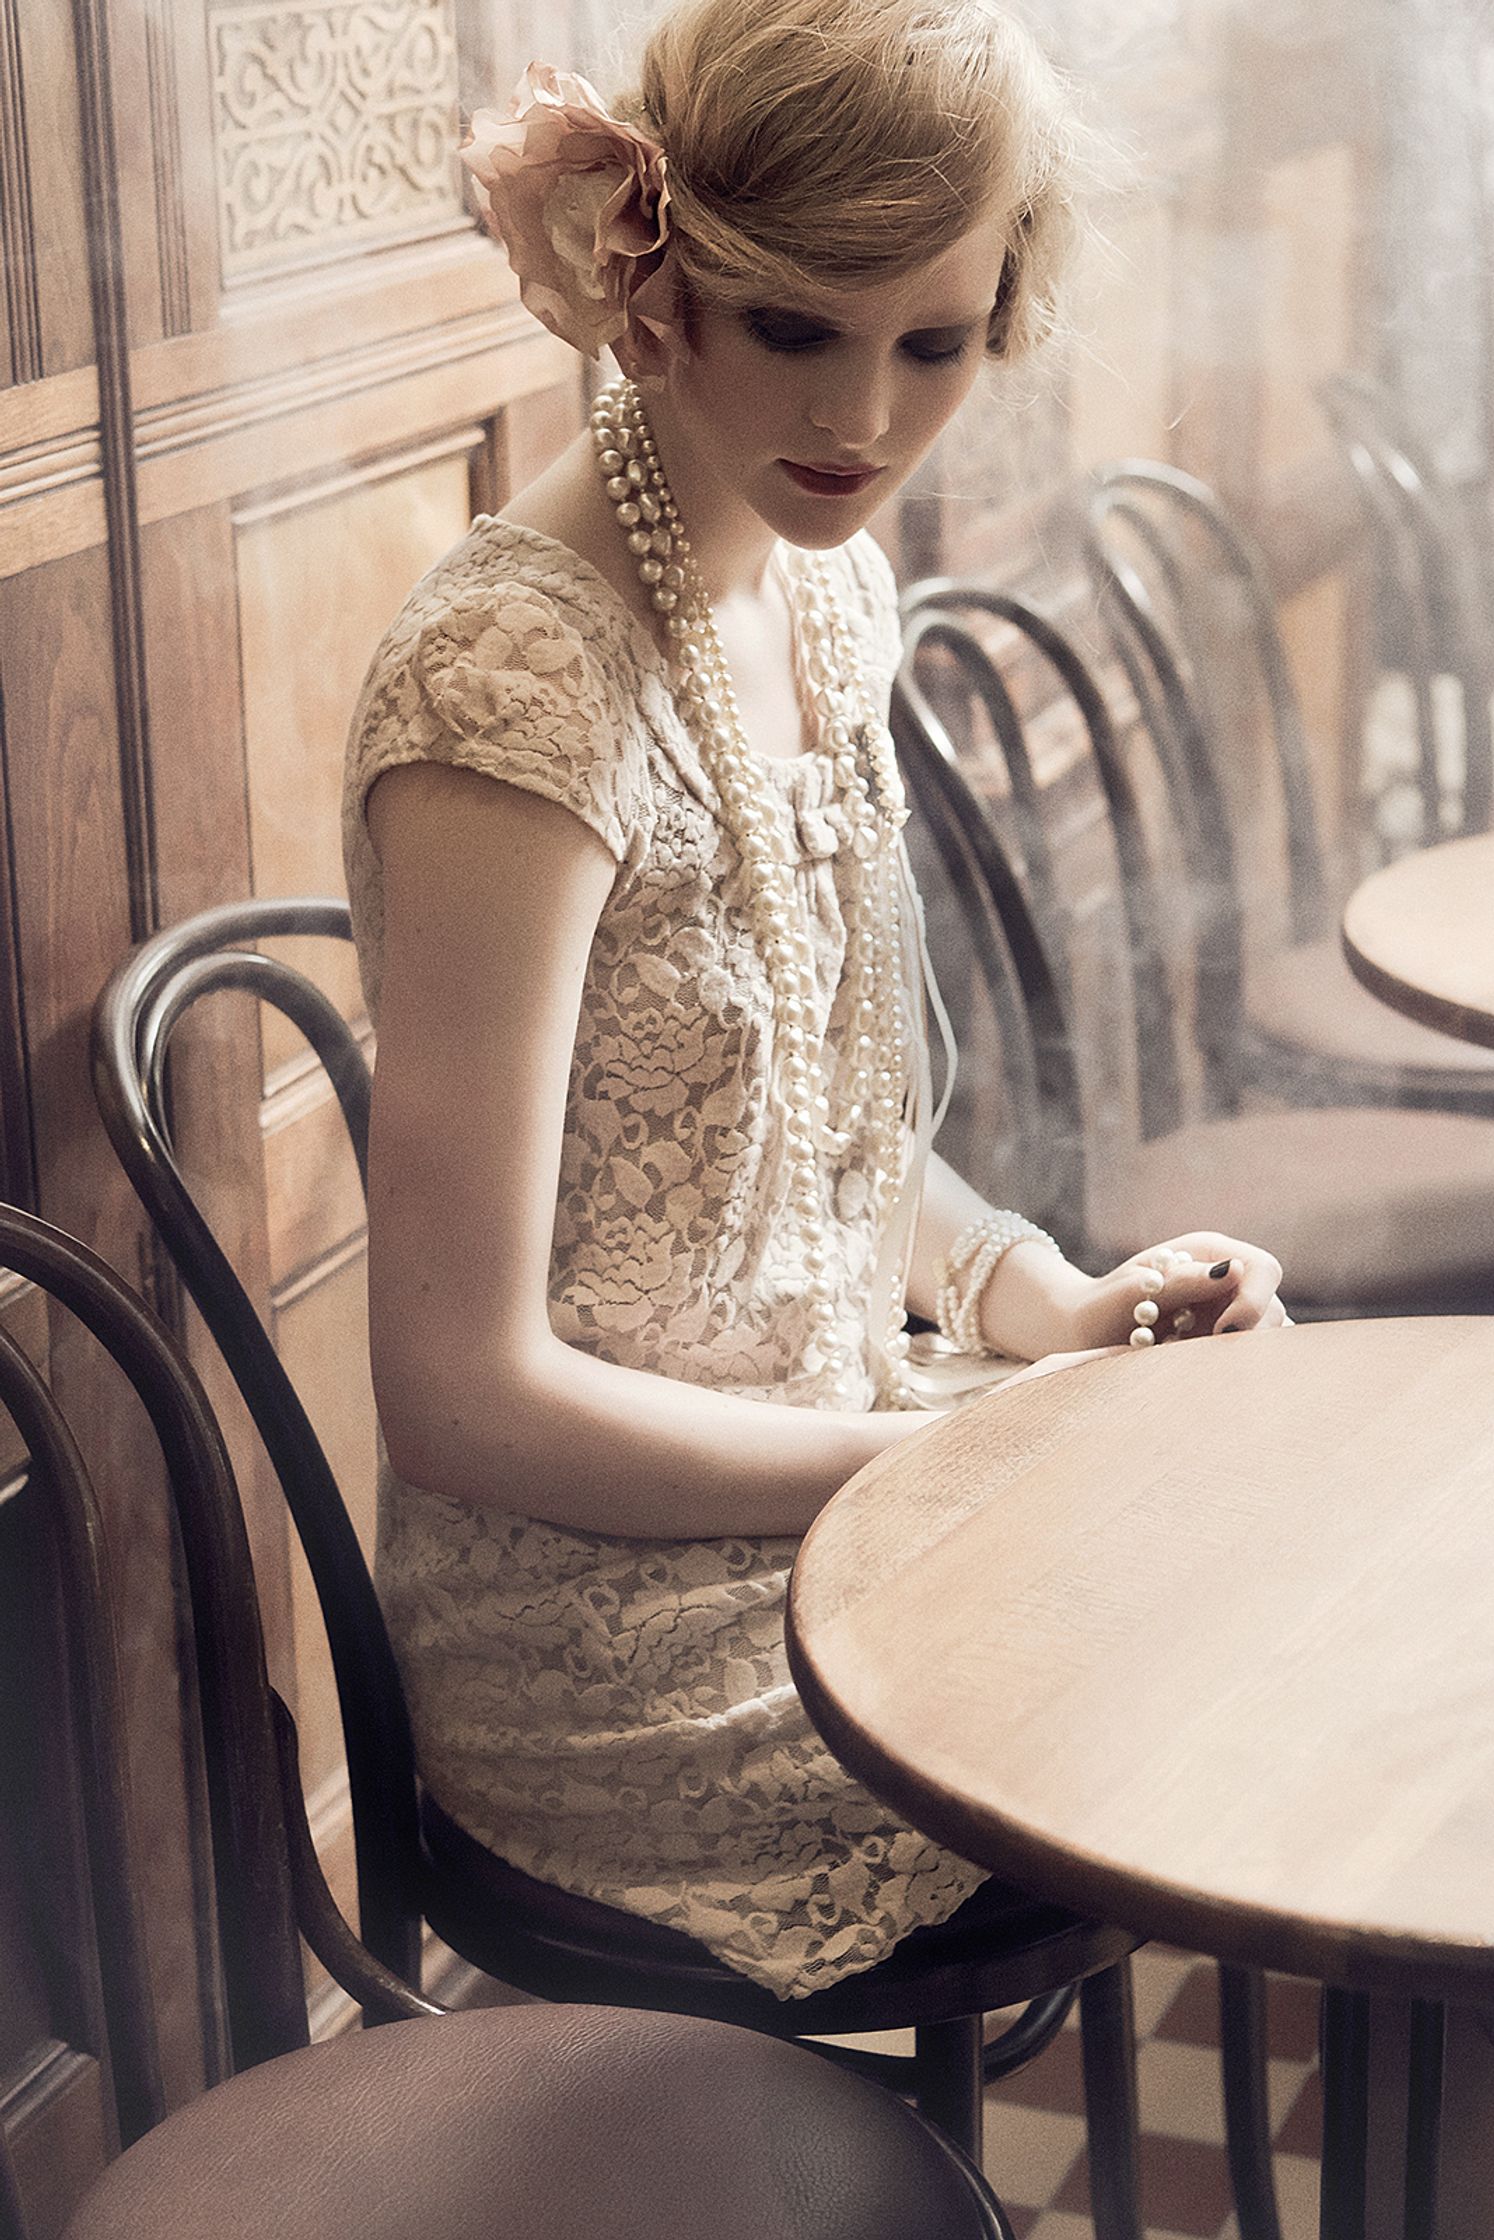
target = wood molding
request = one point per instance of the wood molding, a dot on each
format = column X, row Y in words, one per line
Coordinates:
column 205, row 416
column 17, row 1144
column 285, row 436
column 17, row 233
column 166, row 139
column 117, row 449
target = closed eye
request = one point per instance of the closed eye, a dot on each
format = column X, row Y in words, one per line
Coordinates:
column 787, row 330
column 937, row 346
column 793, row 334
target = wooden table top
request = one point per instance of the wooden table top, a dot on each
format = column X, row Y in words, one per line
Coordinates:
column 1420, row 935
column 1199, row 1641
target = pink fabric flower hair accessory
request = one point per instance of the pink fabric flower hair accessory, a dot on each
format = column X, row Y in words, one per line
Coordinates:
column 579, row 200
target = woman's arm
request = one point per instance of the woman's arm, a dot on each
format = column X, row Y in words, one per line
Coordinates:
column 1038, row 1303
column 491, row 898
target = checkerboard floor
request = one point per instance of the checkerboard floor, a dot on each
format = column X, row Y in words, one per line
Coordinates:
column 1034, row 2132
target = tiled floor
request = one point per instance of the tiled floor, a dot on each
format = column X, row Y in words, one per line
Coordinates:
column 1034, row 2144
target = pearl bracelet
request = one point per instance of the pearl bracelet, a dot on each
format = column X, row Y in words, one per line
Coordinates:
column 961, row 1280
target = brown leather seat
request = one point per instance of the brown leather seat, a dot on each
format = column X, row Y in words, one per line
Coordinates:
column 541, row 2123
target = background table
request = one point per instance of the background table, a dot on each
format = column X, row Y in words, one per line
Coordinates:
column 1420, row 935
column 1199, row 1641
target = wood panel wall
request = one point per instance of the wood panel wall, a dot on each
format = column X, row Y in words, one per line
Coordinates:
column 261, row 370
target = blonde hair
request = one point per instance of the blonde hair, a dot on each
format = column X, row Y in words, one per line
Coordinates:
column 833, row 141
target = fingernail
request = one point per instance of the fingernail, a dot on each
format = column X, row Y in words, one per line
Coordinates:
column 1220, row 1268
column 1228, row 1329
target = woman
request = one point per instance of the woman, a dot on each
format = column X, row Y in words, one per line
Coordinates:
column 648, row 1187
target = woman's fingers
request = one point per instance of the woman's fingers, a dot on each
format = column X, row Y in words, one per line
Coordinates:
column 1204, row 1284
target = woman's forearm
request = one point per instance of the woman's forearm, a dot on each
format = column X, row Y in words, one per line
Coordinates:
column 1029, row 1304
column 601, row 1448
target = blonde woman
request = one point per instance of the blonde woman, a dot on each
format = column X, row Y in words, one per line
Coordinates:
column 649, row 1177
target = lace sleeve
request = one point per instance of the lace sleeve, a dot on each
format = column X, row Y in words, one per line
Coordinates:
column 508, row 684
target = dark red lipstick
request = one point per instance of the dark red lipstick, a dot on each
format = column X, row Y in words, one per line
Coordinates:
column 830, row 482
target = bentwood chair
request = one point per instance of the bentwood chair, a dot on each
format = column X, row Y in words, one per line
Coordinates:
column 547, row 2121
column 1188, row 601
column 1433, row 625
column 1371, row 1210
column 415, row 1864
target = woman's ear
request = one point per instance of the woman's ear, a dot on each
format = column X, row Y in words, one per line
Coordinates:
column 643, row 352
column 654, row 339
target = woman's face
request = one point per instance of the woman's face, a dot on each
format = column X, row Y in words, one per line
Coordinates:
column 811, row 412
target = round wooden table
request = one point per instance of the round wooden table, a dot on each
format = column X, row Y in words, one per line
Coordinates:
column 1199, row 1641
column 1420, row 935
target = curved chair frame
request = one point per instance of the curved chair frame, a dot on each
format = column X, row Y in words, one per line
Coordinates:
column 413, row 1861
column 1442, row 608
column 929, row 757
column 267, row 1879
column 938, row 627
column 1168, row 680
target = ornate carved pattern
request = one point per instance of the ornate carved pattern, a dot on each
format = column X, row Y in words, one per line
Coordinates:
column 17, row 237
column 335, row 125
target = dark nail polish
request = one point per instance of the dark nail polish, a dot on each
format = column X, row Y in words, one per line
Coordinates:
column 1220, row 1268
column 1228, row 1329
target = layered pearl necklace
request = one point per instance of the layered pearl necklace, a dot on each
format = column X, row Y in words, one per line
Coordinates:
column 826, row 1106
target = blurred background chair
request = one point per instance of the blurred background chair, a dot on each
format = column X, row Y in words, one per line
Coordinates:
column 415, row 1864
column 1371, row 1210
column 551, row 2122
column 1187, row 599
column 1435, row 600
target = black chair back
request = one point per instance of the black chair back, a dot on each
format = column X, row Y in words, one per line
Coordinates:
column 508, row 2147
column 965, row 664
column 263, row 1996
column 1176, row 522
column 1010, row 953
column 133, row 1024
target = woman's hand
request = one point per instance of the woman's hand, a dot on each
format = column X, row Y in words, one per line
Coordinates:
column 1202, row 1285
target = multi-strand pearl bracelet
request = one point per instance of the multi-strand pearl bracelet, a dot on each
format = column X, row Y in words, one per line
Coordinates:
column 973, row 1259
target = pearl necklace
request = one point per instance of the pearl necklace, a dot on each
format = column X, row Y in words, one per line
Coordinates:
column 826, row 1106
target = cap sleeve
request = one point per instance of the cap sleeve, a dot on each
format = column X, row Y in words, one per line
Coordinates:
column 502, row 680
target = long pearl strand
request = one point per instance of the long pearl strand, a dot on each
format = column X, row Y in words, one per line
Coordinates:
column 866, row 1098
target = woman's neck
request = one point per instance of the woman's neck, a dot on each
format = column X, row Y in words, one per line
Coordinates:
column 733, row 546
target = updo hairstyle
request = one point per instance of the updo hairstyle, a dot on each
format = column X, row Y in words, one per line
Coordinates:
column 842, row 142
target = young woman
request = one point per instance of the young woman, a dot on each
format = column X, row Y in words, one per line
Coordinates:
column 649, row 1184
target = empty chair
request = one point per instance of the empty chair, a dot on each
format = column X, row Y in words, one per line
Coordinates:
column 1188, row 601
column 1434, row 598
column 1370, row 1210
column 551, row 2122
column 414, row 1862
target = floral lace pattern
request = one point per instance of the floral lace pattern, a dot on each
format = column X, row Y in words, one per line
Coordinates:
column 616, row 1716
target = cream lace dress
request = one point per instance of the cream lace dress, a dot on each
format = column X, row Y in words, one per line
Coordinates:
column 615, row 1716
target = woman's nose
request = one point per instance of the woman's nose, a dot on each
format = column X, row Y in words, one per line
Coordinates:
column 854, row 409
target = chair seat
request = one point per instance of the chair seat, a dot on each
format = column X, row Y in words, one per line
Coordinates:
column 1364, row 1208
column 1307, row 1001
column 1000, row 1948
column 551, row 2123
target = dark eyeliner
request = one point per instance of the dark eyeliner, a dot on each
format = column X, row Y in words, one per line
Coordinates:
column 775, row 331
